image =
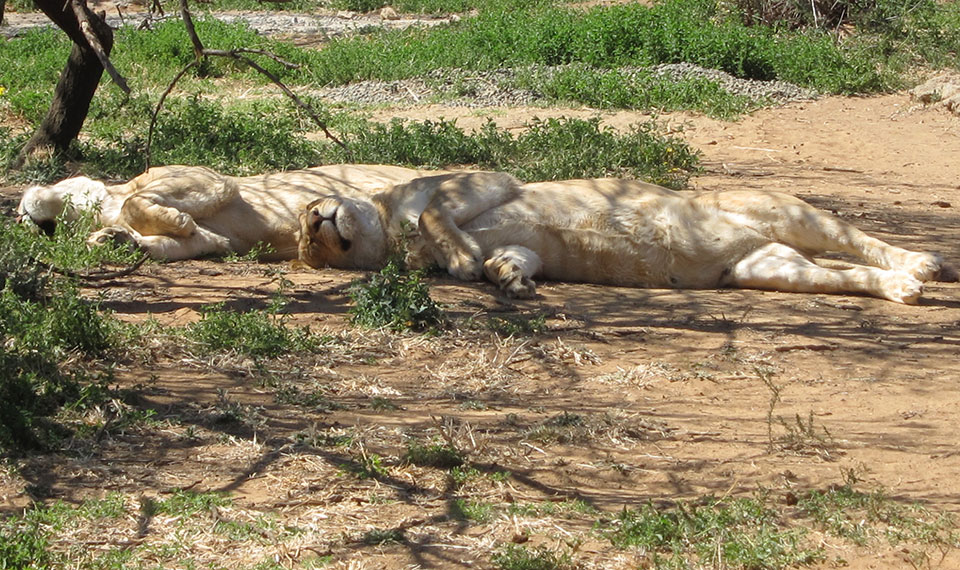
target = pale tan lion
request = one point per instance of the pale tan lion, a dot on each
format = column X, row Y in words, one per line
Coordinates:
column 609, row 231
column 182, row 212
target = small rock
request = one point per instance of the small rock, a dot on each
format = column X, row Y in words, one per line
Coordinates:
column 388, row 13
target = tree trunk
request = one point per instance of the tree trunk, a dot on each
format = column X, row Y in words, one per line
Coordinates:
column 78, row 81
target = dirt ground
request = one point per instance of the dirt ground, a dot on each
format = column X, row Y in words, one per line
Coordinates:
column 684, row 388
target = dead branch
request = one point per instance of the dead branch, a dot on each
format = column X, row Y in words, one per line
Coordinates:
column 156, row 111
column 81, row 11
column 200, row 52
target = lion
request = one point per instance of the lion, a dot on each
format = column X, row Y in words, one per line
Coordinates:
column 607, row 231
column 185, row 212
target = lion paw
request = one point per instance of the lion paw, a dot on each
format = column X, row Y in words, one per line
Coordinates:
column 466, row 267
column 921, row 265
column 519, row 287
column 112, row 234
column 902, row 287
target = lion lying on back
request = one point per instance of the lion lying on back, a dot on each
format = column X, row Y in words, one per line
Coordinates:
column 608, row 231
column 184, row 212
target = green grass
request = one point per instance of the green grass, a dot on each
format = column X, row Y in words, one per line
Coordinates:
column 552, row 149
column 861, row 517
column 44, row 322
column 740, row 533
column 439, row 455
column 517, row 557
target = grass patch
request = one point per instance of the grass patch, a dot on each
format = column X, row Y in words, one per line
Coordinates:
column 552, row 149
column 439, row 455
column 44, row 322
column 862, row 518
column 517, row 557
column 740, row 533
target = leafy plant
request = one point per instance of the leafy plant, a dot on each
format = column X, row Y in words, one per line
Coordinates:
column 395, row 299
column 254, row 333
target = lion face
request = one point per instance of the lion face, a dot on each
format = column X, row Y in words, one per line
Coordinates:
column 342, row 233
column 44, row 204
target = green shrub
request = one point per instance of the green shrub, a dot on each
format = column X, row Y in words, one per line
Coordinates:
column 395, row 299
column 254, row 333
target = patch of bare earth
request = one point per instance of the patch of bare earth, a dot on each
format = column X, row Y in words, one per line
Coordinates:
column 678, row 393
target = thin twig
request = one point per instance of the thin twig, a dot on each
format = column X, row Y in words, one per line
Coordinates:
column 156, row 111
column 87, row 28
column 100, row 275
column 237, row 54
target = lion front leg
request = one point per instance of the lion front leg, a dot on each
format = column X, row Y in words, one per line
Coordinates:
column 512, row 268
column 456, row 199
column 169, row 248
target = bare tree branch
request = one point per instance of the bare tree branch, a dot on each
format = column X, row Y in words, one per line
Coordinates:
column 153, row 120
column 237, row 54
column 81, row 11
column 191, row 30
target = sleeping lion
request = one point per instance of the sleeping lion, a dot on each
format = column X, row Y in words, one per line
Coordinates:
column 184, row 212
column 608, row 231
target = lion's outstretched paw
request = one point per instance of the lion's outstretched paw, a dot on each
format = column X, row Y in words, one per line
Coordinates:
column 519, row 287
column 466, row 267
column 112, row 234
column 921, row 265
column 902, row 288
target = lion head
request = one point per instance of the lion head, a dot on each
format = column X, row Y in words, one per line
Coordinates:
column 342, row 232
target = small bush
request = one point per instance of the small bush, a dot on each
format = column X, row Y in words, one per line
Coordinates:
column 253, row 333
column 395, row 299
column 436, row 455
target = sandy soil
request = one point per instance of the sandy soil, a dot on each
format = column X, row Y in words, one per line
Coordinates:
column 679, row 384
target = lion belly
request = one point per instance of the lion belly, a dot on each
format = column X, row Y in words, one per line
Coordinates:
column 617, row 233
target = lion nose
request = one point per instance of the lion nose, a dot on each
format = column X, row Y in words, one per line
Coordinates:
column 47, row 226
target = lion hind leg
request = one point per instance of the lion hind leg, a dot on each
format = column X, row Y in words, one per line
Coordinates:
column 779, row 267
column 512, row 268
column 145, row 214
column 789, row 220
column 171, row 201
column 170, row 248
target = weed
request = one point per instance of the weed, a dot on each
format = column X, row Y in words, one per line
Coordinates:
column 862, row 517
column 805, row 438
column 184, row 503
column 367, row 466
column 518, row 325
column 383, row 405
column 379, row 537
column 254, row 333
column 395, row 299
column 741, row 533
column 439, row 455
column 475, row 511
column 517, row 557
